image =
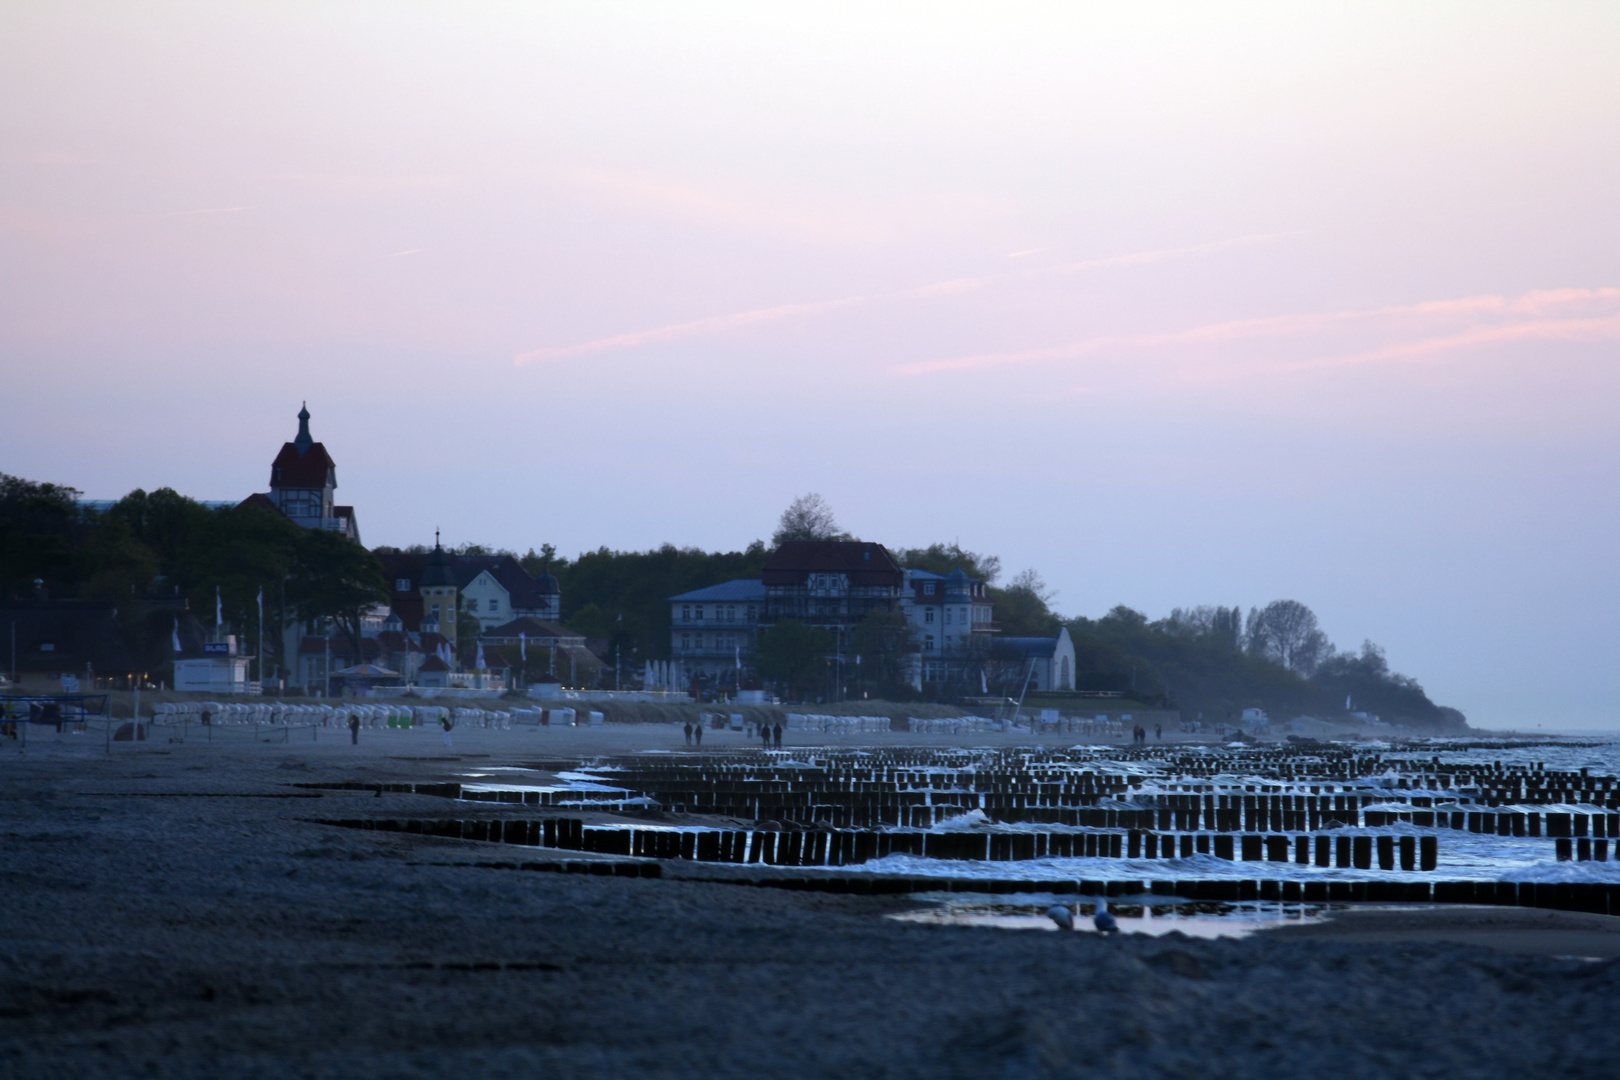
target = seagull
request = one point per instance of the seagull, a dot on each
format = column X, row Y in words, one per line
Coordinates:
column 1060, row 914
column 1104, row 919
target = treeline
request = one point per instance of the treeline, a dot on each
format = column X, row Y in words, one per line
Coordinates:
column 151, row 550
column 1214, row 662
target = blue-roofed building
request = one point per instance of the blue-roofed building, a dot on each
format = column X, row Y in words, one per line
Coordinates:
column 711, row 628
column 1047, row 662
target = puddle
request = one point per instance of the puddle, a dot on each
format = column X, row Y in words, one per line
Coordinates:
column 1027, row 911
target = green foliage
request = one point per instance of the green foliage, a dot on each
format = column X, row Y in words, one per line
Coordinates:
column 1023, row 608
column 335, row 578
column 883, row 640
column 809, row 517
column 793, row 655
column 39, row 531
column 151, row 547
column 943, row 558
column 637, row 585
column 1194, row 661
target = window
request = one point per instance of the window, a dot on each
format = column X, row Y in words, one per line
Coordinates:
column 686, row 641
column 433, row 610
column 928, row 588
column 686, row 613
column 731, row 612
column 928, row 615
column 750, row 612
column 699, row 611
column 494, row 604
column 402, row 584
column 928, row 642
column 947, row 615
column 300, row 504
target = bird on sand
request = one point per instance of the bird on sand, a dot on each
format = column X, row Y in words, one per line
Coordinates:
column 1104, row 920
column 1060, row 914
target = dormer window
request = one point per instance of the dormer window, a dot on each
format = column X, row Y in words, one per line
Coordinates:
column 402, row 584
column 928, row 588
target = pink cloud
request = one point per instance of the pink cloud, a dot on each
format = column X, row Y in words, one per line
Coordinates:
column 1317, row 323
column 720, row 324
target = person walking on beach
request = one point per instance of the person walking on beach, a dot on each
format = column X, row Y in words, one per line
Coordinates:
column 765, row 735
column 446, row 723
column 688, row 730
column 354, row 730
column 779, row 736
column 1158, row 732
column 697, row 734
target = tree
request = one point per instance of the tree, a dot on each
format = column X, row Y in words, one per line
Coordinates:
column 468, row 631
column 809, row 517
column 335, row 578
column 1285, row 631
column 1023, row 607
column 793, row 655
column 884, row 640
column 1364, row 683
column 37, row 533
column 943, row 558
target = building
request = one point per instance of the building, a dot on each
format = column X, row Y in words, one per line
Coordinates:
column 220, row 670
column 950, row 617
column 303, row 485
column 426, row 591
column 833, row 584
column 709, row 629
column 1046, row 662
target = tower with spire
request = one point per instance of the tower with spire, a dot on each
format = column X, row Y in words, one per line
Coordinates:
column 440, row 594
column 303, row 484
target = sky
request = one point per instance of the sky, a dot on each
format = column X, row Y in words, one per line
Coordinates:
column 1176, row 304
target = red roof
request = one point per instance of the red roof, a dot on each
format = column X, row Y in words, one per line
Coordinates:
column 258, row 501
column 308, row 470
column 863, row 563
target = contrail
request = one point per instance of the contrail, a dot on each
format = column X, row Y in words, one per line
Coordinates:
column 736, row 320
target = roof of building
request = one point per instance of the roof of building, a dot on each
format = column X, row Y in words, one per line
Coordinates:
column 863, row 563
column 530, row 626
column 310, row 469
column 259, row 501
column 440, row 568
column 436, row 572
column 342, row 648
column 303, row 463
column 742, row 589
column 524, row 591
column 1028, row 646
column 433, row 663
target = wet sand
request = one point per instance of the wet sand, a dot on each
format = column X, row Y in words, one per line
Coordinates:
column 175, row 910
column 1526, row 931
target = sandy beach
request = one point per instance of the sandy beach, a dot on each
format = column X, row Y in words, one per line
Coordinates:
column 174, row 909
